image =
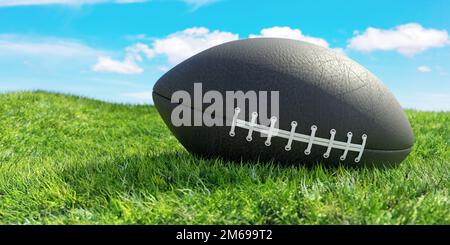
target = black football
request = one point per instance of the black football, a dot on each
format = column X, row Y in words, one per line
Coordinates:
column 331, row 109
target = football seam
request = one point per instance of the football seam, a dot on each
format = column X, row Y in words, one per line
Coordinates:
column 365, row 149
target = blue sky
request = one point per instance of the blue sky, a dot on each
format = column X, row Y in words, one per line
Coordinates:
column 115, row 50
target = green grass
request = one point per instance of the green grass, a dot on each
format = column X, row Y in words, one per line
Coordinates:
column 71, row 160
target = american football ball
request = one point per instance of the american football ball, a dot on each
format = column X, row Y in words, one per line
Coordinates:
column 282, row 100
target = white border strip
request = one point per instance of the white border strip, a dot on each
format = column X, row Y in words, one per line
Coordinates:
column 292, row 136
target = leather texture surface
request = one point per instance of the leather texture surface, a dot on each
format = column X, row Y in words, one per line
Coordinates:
column 316, row 86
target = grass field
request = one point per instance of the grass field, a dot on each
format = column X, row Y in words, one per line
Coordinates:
column 71, row 160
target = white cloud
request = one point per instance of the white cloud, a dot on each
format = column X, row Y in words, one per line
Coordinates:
column 287, row 32
column 11, row 3
column 183, row 44
column 129, row 65
column 424, row 69
column 408, row 39
column 134, row 52
column 107, row 64
column 15, row 45
column 176, row 47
